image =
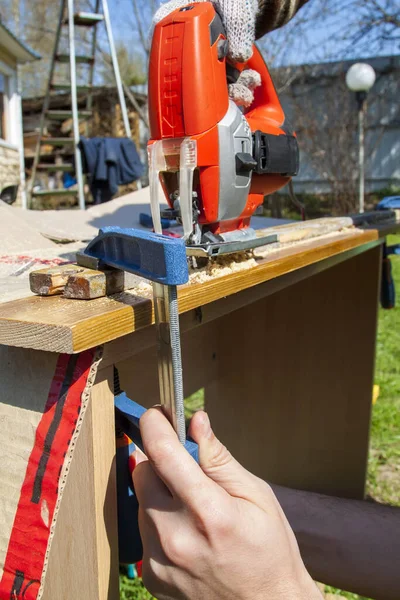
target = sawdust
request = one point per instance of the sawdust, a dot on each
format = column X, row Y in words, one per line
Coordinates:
column 223, row 265
column 241, row 261
column 233, row 263
column 216, row 267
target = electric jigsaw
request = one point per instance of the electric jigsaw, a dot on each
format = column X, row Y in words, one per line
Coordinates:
column 215, row 161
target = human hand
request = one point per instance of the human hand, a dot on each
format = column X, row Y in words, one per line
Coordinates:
column 211, row 531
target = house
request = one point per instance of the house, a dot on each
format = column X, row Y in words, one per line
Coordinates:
column 324, row 114
column 12, row 174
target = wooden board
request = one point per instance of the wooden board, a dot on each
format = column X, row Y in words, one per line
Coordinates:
column 61, row 325
column 292, row 394
column 83, row 560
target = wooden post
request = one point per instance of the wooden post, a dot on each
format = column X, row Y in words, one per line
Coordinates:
column 83, row 560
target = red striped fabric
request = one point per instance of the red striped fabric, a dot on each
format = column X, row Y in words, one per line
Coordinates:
column 29, row 538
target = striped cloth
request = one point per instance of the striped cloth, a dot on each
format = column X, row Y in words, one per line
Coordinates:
column 275, row 13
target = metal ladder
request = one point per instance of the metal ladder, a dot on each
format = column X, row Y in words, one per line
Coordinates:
column 69, row 18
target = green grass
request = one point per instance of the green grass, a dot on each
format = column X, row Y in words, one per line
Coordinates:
column 383, row 483
column 384, row 461
column 133, row 589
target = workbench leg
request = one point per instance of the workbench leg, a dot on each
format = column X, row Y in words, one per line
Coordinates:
column 293, row 392
column 83, row 560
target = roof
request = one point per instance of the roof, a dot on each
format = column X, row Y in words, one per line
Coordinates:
column 21, row 51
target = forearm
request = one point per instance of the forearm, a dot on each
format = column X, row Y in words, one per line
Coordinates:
column 350, row 544
column 275, row 13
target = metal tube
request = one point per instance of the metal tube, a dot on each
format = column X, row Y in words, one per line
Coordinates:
column 116, row 69
column 74, row 103
column 22, row 178
column 169, row 356
column 89, row 99
column 361, row 156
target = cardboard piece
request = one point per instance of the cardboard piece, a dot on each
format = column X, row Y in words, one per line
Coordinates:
column 16, row 234
column 75, row 225
column 16, row 267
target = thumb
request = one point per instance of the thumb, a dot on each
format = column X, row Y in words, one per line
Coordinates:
column 219, row 465
column 215, row 459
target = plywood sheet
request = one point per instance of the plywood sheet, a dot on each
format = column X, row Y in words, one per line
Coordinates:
column 16, row 234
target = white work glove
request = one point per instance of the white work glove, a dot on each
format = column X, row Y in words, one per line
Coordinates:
column 239, row 18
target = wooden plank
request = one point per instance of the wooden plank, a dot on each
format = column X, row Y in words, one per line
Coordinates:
column 83, row 560
column 292, row 395
column 76, row 282
column 60, row 325
column 52, row 280
column 140, row 340
column 62, row 192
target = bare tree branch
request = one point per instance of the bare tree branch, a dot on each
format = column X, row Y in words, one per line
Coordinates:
column 140, row 26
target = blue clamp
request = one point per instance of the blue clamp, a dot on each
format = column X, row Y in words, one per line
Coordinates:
column 389, row 202
column 127, row 416
column 150, row 255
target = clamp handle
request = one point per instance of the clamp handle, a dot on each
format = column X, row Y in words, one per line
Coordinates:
column 128, row 415
column 157, row 257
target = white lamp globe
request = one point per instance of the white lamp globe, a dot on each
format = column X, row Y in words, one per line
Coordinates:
column 360, row 77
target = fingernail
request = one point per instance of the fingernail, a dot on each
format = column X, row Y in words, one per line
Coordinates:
column 206, row 425
column 132, row 463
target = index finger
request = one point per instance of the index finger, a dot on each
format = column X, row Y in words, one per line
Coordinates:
column 169, row 459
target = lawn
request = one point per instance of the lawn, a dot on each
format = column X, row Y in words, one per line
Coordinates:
column 384, row 460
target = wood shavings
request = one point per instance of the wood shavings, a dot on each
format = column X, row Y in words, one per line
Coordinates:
column 144, row 287
column 241, row 261
column 216, row 267
column 223, row 265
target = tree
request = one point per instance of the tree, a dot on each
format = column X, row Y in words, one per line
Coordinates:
column 324, row 114
column 131, row 66
column 144, row 11
column 373, row 24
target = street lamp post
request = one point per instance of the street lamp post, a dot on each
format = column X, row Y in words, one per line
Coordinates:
column 359, row 79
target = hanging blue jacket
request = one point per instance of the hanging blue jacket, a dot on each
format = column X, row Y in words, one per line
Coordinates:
column 109, row 162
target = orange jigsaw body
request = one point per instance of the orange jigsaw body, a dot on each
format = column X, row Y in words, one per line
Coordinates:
column 188, row 97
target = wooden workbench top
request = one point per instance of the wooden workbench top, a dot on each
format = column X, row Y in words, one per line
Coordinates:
column 60, row 325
